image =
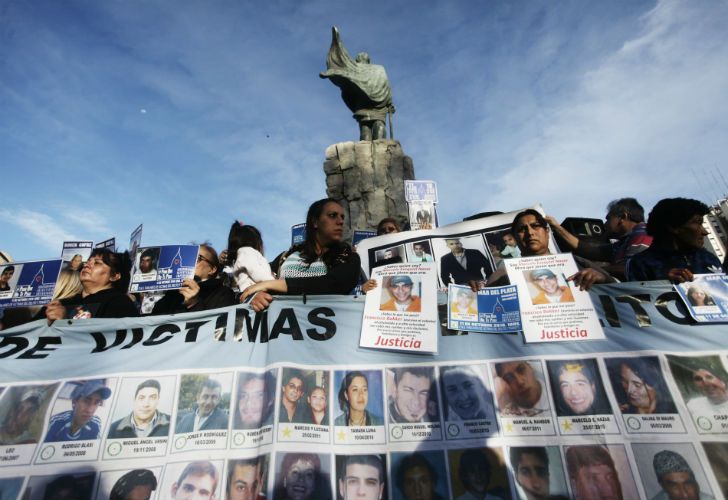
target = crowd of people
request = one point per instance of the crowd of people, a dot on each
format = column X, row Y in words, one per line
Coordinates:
column 668, row 245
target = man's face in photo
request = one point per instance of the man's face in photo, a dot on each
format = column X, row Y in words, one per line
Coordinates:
column 388, row 254
column 532, row 236
column 25, row 413
column 411, row 397
column 402, row 292
column 680, row 486
column 418, row 249
column 195, row 487
column 533, row 476
column 207, row 400
column 710, row 386
column 146, row 263
column 244, row 483
column 6, row 275
column 417, row 484
column 361, row 482
column 455, row 246
column 84, row 408
column 597, row 482
column 252, row 402
column 523, row 386
column 293, row 390
column 145, row 404
column 549, row 284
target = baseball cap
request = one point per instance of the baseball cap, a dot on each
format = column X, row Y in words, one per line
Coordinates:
column 89, row 387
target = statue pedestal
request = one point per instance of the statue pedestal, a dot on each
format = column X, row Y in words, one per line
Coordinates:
column 367, row 178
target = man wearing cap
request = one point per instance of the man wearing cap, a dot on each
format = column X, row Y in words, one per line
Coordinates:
column 400, row 288
column 15, row 428
column 80, row 423
column 546, row 281
column 676, row 478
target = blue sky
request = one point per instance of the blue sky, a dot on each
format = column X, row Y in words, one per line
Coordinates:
column 187, row 115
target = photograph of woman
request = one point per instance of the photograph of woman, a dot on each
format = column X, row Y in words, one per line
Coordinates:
column 353, row 401
column 639, row 385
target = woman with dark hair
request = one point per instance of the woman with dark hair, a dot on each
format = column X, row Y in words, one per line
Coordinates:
column 5, row 277
column 205, row 291
column 104, row 282
column 353, row 399
column 642, row 385
column 245, row 256
column 699, row 297
column 322, row 264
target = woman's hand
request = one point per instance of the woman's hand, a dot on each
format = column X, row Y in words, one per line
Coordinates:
column 678, row 275
column 55, row 310
column 190, row 290
column 369, row 285
column 262, row 298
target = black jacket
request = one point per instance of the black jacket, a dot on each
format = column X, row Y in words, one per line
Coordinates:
column 213, row 294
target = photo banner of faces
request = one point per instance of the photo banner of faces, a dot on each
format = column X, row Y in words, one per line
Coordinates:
column 639, row 425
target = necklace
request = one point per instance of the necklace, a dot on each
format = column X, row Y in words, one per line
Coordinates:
column 360, row 422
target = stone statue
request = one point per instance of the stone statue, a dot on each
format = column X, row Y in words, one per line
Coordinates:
column 364, row 88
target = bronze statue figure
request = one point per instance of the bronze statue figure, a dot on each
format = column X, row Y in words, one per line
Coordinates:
column 364, row 88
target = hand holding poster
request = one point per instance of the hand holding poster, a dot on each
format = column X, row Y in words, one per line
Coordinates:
column 552, row 308
column 401, row 312
column 163, row 268
column 706, row 297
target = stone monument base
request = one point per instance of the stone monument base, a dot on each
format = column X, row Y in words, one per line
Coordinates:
column 367, row 178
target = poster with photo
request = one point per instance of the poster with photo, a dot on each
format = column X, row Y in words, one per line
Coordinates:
column 422, row 215
column 400, row 313
column 163, row 267
column 467, row 402
column 203, row 411
column 75, row 253
column 25, row 284
column 553, row 309
column 360, row 235
column 358, row 407
column 420, row 191
column 462, row 259
column 298, row 233
column 110, row 244
column 706, row 297
column 489, row 310
column 135, row 240
column 78, row 417
column 419, row 251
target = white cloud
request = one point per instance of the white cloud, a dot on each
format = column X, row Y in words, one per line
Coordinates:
column 40, row 227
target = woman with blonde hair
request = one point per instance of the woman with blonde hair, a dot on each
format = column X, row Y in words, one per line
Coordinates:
column 68, row 284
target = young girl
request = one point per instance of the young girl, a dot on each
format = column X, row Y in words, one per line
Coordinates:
column 245, row 256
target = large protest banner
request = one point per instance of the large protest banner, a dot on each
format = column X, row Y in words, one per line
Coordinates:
column 292, row 386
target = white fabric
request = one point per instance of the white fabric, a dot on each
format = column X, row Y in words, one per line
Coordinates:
column 250, row 267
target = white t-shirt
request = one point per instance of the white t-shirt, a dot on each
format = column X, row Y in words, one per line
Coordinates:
column 250, row 267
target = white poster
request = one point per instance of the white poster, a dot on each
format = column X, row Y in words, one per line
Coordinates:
column 401, row 312
column 553, row 309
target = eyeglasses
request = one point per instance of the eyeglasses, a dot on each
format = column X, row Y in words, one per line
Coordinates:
column 202, row 258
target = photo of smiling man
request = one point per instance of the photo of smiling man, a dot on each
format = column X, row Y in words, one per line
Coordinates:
column 577, row 388
column 400, row 293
